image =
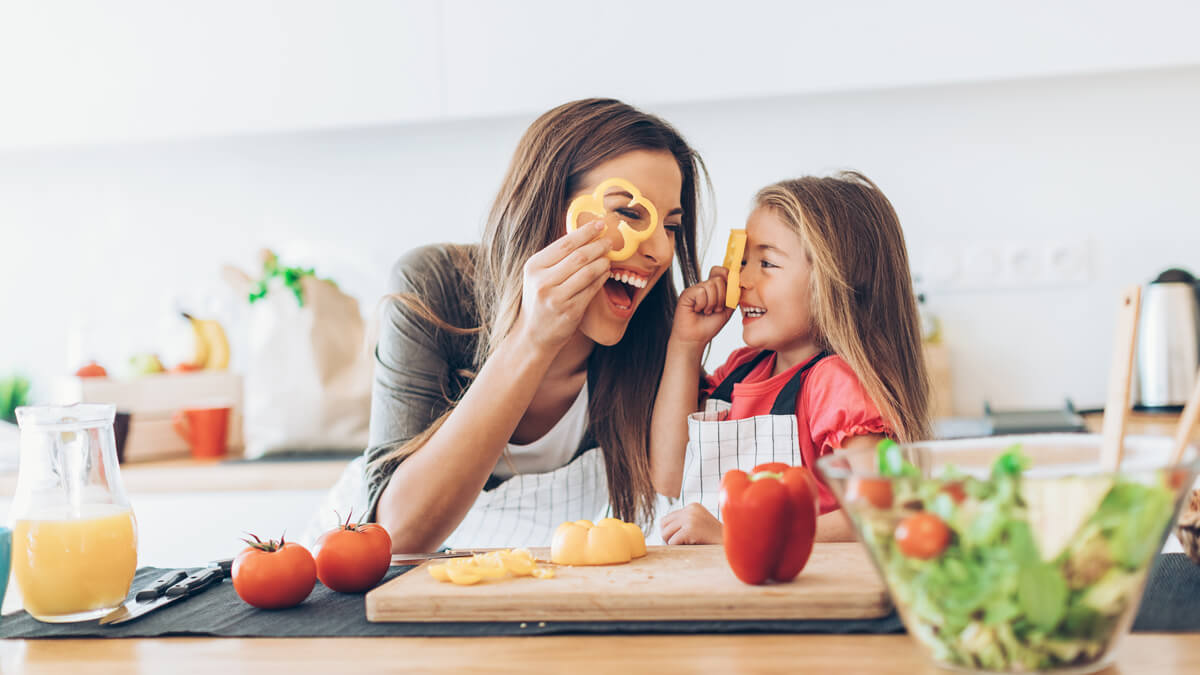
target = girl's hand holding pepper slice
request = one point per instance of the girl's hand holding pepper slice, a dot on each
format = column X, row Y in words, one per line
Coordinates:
column 769, row 521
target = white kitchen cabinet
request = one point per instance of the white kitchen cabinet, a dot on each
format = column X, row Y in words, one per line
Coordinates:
column 132, row 70
column 505, row 58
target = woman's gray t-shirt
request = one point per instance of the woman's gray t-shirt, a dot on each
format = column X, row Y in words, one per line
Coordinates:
column 421, row 368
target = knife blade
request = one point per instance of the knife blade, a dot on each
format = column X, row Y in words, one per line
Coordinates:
column 189, row 585
column 418, row 558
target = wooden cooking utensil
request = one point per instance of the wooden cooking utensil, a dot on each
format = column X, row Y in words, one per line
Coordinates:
column 1187, row 421
column 1116, row 408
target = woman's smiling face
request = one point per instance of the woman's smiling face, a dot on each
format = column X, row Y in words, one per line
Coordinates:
column 657, row 176
column 776, row 285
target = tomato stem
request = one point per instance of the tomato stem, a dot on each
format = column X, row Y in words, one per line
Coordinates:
column 268, row 546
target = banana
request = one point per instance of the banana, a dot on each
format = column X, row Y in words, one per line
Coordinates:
column 199, row 342
column 218, row 345
column 212, row 346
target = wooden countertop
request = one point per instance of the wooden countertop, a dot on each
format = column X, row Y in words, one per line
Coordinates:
column 877, row 654
column 1142, row 424
column 190, row 475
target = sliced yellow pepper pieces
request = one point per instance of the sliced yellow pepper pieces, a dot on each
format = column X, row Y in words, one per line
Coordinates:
column 463, row 575
column 489, row 566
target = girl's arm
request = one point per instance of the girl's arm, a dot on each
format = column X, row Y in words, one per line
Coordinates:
column 676, row 400
column 699, row 316
column 430, row 492
column 835, row 525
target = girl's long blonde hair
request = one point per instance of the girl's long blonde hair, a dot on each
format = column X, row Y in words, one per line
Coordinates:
column 529, row 213
column 863, row 306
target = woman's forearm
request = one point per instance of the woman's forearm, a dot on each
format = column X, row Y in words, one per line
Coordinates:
column 431, row 491
column 676, row 399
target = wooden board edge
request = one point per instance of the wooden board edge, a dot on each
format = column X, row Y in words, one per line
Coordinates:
column 386, row 610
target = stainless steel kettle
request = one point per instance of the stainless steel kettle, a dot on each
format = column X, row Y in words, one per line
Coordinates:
column 1168, row 344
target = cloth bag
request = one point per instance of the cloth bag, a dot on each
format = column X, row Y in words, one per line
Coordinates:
column 308, row 371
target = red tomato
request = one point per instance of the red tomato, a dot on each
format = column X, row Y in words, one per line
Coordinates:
column 877, row 491
column 353, row 558
column 274, row 574
column 956, row 492
column 922, row 535
column 92, row 369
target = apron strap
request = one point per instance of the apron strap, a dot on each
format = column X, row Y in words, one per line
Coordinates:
column 785, row 402
column 724, row 391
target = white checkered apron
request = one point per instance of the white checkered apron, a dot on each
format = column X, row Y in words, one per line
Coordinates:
column 717, row 444
column 522, row 511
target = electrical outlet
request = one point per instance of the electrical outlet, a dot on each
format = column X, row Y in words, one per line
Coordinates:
column 998, row 265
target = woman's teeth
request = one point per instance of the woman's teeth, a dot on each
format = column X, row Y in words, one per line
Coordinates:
column 627, row 278
column 753, row 311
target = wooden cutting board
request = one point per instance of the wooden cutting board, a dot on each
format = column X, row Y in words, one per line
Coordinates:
column 671, row 583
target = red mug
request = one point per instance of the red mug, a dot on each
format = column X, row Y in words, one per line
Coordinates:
column 204, row 429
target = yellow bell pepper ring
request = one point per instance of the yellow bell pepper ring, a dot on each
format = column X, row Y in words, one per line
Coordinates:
column 608, row 542
column 735, row 252
column 594, row 204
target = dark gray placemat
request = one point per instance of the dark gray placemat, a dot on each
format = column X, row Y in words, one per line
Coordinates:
column 1169, row 605
column 1171, row 602
column 219, row 612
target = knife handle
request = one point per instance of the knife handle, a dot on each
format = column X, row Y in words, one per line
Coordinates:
column 160, row 585
column 196, row 582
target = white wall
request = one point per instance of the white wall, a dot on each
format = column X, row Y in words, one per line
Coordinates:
column 106, row 236
column 140, row 70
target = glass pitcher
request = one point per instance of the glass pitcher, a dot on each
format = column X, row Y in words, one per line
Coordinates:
column 74, row 540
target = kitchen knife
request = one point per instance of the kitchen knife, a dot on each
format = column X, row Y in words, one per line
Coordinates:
column 418, row 558
column 187, row 586
column 160, row 585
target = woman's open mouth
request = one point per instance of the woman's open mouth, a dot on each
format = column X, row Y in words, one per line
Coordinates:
column 622, row 290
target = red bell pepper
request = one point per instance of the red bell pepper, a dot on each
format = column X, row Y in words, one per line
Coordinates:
column 769, row 521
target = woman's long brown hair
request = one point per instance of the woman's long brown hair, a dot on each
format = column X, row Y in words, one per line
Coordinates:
column 863, row 306
column 529, row 213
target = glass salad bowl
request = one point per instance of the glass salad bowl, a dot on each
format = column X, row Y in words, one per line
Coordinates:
column 1013, row 553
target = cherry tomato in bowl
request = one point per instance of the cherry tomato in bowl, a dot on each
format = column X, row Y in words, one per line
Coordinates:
column 922, row 535
column 875, row 491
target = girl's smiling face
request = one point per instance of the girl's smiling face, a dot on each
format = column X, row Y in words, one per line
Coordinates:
column 657, row 176
column 775, row 281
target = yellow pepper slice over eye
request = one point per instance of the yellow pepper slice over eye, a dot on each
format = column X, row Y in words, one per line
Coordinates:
column 735, row 252
column 594, row 204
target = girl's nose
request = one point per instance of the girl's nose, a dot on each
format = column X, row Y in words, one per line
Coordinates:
column 747, row 277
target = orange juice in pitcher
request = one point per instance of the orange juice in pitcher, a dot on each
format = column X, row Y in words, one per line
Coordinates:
column 68, row 566
column 74, row 549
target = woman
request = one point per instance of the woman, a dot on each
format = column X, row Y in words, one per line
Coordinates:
column 514, row 379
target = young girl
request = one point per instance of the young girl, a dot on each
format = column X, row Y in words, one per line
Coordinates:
column 833, row 357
